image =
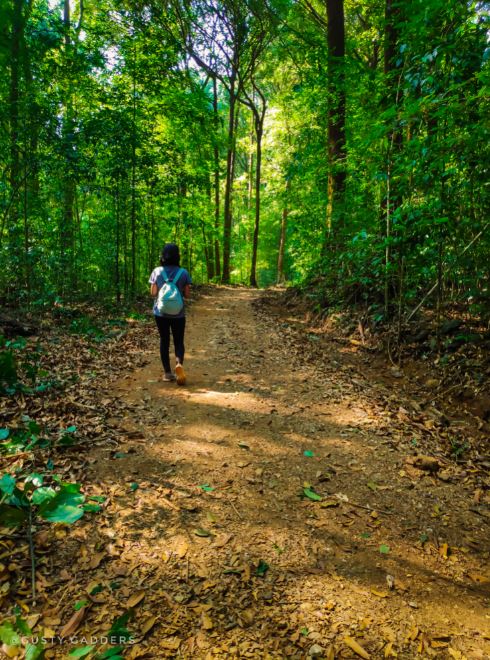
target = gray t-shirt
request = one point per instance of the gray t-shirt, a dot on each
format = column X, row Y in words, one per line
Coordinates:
column 171, row 271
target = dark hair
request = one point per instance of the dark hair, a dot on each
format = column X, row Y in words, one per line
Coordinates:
column 170, row 255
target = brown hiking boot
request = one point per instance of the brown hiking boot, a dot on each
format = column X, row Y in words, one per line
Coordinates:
column 180, row 374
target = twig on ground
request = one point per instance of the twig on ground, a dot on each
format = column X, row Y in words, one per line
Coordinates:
column 33, row 558
column 236, row 510
column 368, row 508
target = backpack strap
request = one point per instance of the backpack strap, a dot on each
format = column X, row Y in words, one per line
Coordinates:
column 177, row 275
column 164, row 275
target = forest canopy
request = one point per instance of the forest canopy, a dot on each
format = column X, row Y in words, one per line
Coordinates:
column 340, row 143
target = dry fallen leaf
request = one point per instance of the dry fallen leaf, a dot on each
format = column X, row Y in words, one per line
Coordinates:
column 136, row 598
column 182, row 549
column 206, row 622
column 148, row 625
column 72, row 625
column 222, row 540
column 357, row 648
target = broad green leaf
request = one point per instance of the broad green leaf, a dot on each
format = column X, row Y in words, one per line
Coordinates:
column 64, row 507
column 43, row 494
column 310, row 493
column 207, row 488
column 61, row 513
column 202, row 532
column 97, row 498
column 81, row 652
column 7, row 484
column 79, row 604
column 92, row 508
column 34, row 651
column 8, row 634
column 384, row 549
column 35, row 479
column 22, row 626
column 4, row 434
column 308, row 453
column 11, row 516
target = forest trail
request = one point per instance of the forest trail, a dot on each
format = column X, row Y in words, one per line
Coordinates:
column 207, row 528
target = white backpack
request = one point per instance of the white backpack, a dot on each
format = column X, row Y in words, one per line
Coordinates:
column 169, row 299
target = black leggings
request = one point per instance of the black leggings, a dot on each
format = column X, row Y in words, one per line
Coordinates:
column 178, row 328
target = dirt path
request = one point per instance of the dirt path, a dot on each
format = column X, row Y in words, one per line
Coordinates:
column 206, row 518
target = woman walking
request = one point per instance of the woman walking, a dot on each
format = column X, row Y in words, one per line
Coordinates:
column 170, row 285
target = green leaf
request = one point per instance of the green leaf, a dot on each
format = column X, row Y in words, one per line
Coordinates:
column 11, row 516
column 81, row 652
column 96, row 590
column 120, row 454
column 43, row 494
column 64, row 507
column 310, row 493
column 92, row 508
column 308, row 453
column 202, row 532
column 262, row 568
column 4, row 434
column 34, row 651
column 35, row 479
column 79, row 604
column 22, row 626
column 7, row 484
column 97, row 498
column 134, row 486
column 62, row 513
column 70, row 429
column 207, row 488
column 119, row 634
column 8, row 635
column 384, row 549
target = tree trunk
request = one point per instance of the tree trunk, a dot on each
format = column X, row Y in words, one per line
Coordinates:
column 392, row 201
column 217, row 261
column 118, row 244
column 14, row 239
column 337, row 152
column 282, row 238
column 259, row 129
column 229, row 184
column 67, row 255
column 133, row 186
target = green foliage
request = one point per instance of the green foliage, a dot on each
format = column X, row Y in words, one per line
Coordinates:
column 24, row 497
column 111, row 138
column 22, row 438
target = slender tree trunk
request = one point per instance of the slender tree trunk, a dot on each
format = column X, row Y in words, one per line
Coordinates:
column 229, row 184
column 259, row 129
column 14, row 112
column 250, row 182
column 118, row 244
column 337, row 151
column 67, row 248
column 217, row 260
column 392, row 200
column 133, row 185
column 282, row 237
